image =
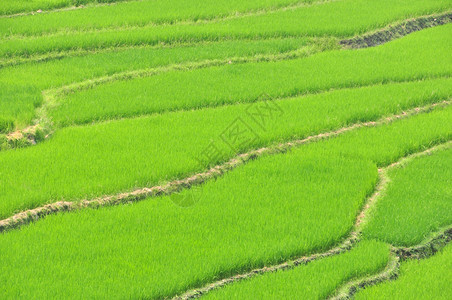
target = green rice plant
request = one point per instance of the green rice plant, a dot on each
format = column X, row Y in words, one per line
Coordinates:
column 286, row 222
column 21, row 85
column 420, row 55
column 121, row 155
column 302, row 202
column 328, row 19
column 417, row 202
column 136, row 13
column 383, row 149
column 17, row 6
column 419, row 279
column 18, row 103
column 317, row 280
column 6, row 125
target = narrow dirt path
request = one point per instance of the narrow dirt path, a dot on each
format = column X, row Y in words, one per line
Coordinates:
column 50, row 96
column 202, row 20
column 388, row 273
column 398, row 254
column 394, row 31
column 196, row 179
column 426, row 249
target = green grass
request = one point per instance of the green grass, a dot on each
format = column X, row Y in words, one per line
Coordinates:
column 8, row 7
column 21, row 86
column 146, row 151
column 317, row 280
column 302, row 201
column 418, row 201
column 143, row 92
column 329, row 19
column 419, row 279
column 18, row 104
column 419, row 55
column 136, row 13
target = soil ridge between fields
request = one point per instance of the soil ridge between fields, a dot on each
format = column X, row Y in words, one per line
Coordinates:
column 43, row 128
column 398, row 254
column 30, row 215
column 390, row 271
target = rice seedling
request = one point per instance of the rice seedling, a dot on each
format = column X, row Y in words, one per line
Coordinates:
column 167, row 148
column 420, row 55
column 143, row 152
column 417, row 202
column 328, row 19
column 21, row 86
column 419, row 279
column 317, row 280
column 132, row 13
column 302, row 202
column 17, row 6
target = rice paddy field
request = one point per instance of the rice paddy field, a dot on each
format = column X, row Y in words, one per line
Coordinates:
column 261, row 149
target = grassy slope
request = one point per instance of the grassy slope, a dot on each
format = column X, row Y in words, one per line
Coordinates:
column 419, row 279
column 302, row 201
column 317, row 280
column 136, row 13
column 419, row 55
column 21, row 86
column 331, row 18
column 17, row 6
column 8, row 7
column 417, row 202
column 144, row 151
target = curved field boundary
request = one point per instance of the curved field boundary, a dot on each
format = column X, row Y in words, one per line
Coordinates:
column 423, row 250
column 392, row 31
column 391, row 272
column 82, row 52
column 396, row 30
column 188, row 21
column 42, row 123
column 428, row 248
column 388, row 273
column 55, row 10
column 50, row 96
column 28, row 216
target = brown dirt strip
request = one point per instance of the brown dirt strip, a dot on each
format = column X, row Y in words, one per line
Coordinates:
column 378, row 37
column 389, row 272
column 27, row 135
column 398, row 254
column 396, row 31
column 177, row 185
column 43, row 124
column 426, row 249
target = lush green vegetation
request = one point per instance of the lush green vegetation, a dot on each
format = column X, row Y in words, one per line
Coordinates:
column 317, row 280
column 303, row 201
column 110, row 99
column 8, row 7
column 21, row 85
column 420, row 55
column 417, row 202
column 144, row 152
column 136, row 13
column 419, row 279
column 328, row 19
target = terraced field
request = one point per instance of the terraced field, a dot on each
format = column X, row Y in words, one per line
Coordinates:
column 280, row 149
